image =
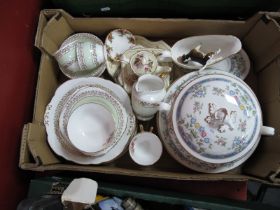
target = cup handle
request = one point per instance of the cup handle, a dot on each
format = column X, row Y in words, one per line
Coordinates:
column 268, row 131
column 164, row 106
column 165, row 56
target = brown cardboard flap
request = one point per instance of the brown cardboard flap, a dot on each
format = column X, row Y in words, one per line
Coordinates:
column 143, row 173
column 41, row 24
column 271, row 116
column 263, row 41
column 49, row 13
column 38, row 146
column 269, row 80
column 25, row 159
column 55, row 32
column 265, row 160
column 24, row 151
column 46, row 86
column 44, row 17
column 165, row 28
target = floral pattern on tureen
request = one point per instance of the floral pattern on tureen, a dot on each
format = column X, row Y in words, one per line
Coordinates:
column 212, row 118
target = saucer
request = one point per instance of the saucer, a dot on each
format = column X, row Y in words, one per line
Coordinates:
column 238, row 65
column 117, row 42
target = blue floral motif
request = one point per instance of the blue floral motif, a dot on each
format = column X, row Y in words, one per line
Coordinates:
column 206, row 140
column 198, row 91
column 193, row 120
column 237, row 141
column 231, row 92
column 201, row 129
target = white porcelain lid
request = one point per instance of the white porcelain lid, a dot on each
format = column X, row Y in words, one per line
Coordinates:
column 217, row 118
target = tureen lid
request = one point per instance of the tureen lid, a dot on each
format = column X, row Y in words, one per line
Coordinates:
column 217, row 118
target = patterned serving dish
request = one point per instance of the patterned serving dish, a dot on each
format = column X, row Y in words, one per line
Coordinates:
column 217, row 118
column 170, row 140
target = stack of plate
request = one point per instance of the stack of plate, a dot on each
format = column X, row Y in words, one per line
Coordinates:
column 89, row 121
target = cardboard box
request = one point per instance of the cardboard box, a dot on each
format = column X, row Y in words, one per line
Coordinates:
column 260, row 36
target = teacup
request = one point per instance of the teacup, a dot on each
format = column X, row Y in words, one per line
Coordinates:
column 96, row 96
column 66, row 55
column 147, row 94
column 145, row 148
column 71, row 69
column 90, row 55
column 89, row 128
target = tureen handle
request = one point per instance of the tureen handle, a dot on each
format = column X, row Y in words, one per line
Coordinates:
column 268, row 131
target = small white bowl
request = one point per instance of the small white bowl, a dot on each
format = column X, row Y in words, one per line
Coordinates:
column 145, row 148
column 90, row 127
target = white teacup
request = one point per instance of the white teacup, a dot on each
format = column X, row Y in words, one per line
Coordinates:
column 90, row 127
column 147, row 94
column 66, row 55
column 145, row 148
column 90, row 55
column 71, row 69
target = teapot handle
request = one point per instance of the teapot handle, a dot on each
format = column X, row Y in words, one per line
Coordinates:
column 268, row 131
